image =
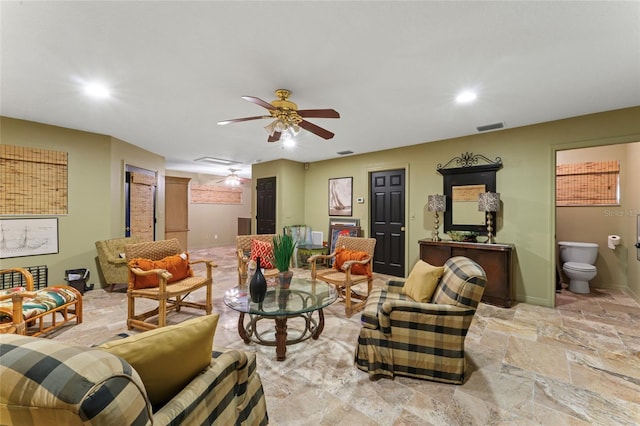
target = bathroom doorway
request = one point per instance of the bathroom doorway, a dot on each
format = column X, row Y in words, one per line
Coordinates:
column 600, row 217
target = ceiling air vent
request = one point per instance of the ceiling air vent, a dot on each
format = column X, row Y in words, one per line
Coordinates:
column 344, row 152
column 488, row 127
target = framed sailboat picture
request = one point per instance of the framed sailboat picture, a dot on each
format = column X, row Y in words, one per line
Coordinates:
column 28, row 237
column 340, row 196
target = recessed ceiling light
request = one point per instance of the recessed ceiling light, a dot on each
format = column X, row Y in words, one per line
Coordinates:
column 466, row 97
column 97, row 90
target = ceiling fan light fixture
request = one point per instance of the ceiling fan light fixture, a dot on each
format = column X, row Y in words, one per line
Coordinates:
column 271, row 128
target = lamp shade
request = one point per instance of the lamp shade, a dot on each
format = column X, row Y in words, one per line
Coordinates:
column 437, row 203
column 489, row 202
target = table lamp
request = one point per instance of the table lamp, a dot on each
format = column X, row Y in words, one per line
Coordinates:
column 436, row 203
column 489, row 202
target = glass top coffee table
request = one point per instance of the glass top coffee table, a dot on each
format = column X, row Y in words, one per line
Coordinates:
column 300, row 300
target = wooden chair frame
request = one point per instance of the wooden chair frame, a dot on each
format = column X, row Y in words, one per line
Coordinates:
column 343, row 280
column 19, row 325
column 170, row 296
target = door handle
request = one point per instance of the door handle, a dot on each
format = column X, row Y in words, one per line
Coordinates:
column 402, row 228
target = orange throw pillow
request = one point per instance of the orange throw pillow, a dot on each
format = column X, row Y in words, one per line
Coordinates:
column 342, row 255
column 263, row 250
column 177, row 265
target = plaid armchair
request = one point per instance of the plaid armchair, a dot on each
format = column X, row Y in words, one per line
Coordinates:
column 76, row 385
column 421, row 340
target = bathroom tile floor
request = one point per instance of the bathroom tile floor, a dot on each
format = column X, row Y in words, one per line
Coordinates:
column 577, row 364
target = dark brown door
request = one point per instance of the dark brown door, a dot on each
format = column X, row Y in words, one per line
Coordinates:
column 387, row 221
column 266, row 206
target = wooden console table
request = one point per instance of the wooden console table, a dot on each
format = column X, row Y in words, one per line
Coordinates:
column 495, row 259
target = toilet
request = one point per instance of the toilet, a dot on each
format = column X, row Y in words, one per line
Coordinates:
column 578, row 264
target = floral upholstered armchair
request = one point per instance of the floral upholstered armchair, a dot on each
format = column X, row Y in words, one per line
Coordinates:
column 112, row 260
column 417, row 327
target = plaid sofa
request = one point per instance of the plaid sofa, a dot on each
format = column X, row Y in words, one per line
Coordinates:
column 50, row 382
column 422, row 340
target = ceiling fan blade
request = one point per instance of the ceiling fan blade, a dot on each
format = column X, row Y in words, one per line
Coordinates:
column 239, row 120
column 323, row 133
column 275, row 137
column 259, row 101
column 318, row 113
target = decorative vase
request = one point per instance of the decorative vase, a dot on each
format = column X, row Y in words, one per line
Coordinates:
column 284, row 278
column 258, row 285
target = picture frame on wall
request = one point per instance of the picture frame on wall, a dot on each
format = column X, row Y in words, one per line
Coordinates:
column 337, row 230
column 341, row 196
column 28, row 237
column 344, row 222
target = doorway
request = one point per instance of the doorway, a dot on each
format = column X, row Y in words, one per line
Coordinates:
column 140, row 203
column 387, row 195
column 266, row 206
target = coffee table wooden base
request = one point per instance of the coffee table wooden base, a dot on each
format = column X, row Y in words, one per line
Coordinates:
column 313, row 328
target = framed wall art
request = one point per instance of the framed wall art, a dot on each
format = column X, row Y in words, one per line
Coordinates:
column 340, row 196
column 28, row 237
column 336, row 230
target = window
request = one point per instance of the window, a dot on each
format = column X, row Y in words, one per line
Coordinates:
column 588, row 184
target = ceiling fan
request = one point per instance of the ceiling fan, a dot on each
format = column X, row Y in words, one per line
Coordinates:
column 233, row 179
column 288, row 119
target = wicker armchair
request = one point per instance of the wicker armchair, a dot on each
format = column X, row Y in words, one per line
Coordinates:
column 112, row 264
column 421, row 340
column 170, row 296
column 243, row 252
column 344, row 278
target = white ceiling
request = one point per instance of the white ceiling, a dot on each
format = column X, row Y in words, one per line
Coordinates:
column 391, row 69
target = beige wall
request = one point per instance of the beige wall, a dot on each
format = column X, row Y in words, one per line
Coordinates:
column 595, row 223
column 290, row 191
column 213, row 225
column 526, row 184
column 96, row 200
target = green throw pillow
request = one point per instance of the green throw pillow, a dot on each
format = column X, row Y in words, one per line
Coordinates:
column 168, row 358
column 422, row 281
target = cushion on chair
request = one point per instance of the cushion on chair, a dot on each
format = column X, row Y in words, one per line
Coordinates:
column 177, row 265
column 46, row 299
column 422, row 281
column 343, row 255
column 263, row 250
column 462, row 283
column 168, row 358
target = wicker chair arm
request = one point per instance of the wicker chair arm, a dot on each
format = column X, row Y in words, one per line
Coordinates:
column 26, row 276
column 410, row 312
column 162, row 273
column 313, row 258
column 207, row 262
column 349, row 263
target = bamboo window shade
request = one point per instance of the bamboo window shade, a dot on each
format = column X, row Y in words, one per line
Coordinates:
column 209, row 194
column 33, row 181
column 588, row 184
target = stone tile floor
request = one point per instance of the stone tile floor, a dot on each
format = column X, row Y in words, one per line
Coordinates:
column 577, row 364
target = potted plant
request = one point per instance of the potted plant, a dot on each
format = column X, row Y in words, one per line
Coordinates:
column 283, row 247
